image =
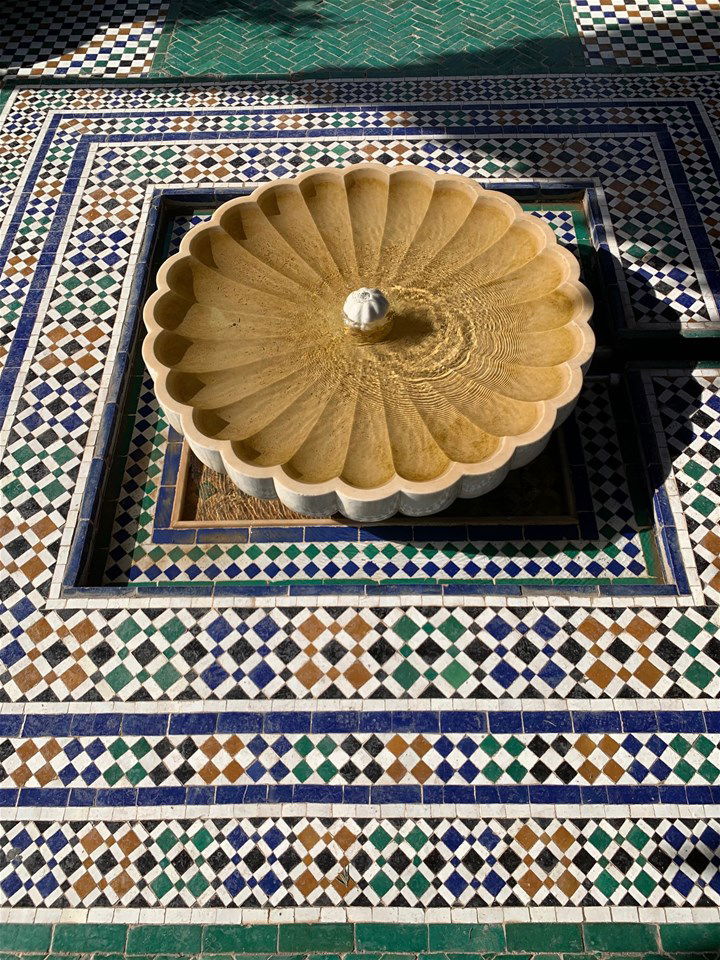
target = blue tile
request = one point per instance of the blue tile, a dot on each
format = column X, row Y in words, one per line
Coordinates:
column 375, row 721
column 331, row 534
column 236, row 722
column 10, row 724
column 95, row 724
column 699, row 794
column 290, row 722
column 552, row 721
column 393, row 794
column 677, row 721
column 82, row 797
column 422, row 721
column 193, row 722
column 116, row 797
column 487, row 795
column 280, row 793
column 456, row 793
column 639, row 721
column 463, row 721
column 8, row 797
column 514, row 793
column 47, row 725
column 336, row 722
column 712, row 721
column 630, row 794
column 43, row 797
column 596, row 722
column 593, row 795
column 159, row 796
column 200, row 795
column 230, row 794
column 356, row 794
column 506, row 722
column 673, row 793
column 145, row 724
column 310, row 793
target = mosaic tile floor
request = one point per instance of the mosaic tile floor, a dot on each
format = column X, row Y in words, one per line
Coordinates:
column 126, row 38
column 343, row 37
column 67, row 38
column 516, row 729
column 649, row 33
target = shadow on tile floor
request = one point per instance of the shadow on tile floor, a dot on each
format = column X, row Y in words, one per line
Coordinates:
column 46, row 31
column 306, row 39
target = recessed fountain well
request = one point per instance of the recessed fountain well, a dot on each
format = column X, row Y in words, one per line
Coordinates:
column 369, row 340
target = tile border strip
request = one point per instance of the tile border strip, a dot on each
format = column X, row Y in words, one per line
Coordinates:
column 146, row 931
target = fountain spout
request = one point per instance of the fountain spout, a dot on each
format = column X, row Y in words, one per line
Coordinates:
column 366, row 309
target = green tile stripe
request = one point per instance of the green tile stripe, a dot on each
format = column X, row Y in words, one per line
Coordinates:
column 368, row 941
column 348, row 38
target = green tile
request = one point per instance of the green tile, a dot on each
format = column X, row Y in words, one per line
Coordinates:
column 564, row 937
column 240, row 939
column 345, row 38
column 165, row 938
column 690, row 937
column 392, row 936
column 89, row 937
column 25, row 937
column 469, row 937
column 316, row 937
column 620, row 937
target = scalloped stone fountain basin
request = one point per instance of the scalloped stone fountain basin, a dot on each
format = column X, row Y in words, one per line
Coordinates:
column 368, row 340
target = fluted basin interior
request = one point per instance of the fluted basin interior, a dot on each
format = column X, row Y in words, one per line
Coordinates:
column 479, row 357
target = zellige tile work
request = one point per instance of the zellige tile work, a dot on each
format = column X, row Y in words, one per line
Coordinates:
column 357, row 740
column 649, row 33
column 343, row 37
column 113, row 38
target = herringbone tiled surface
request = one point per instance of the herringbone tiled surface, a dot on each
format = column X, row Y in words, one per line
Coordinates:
column 449, row 37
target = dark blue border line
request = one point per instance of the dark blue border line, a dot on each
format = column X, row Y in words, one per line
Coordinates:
column 303, row 721
column 311, row 793
column 656, row 475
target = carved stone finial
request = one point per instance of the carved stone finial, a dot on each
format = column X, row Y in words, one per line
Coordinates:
column 365, row 309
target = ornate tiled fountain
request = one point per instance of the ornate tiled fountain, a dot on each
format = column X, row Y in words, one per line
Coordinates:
column 368, row 341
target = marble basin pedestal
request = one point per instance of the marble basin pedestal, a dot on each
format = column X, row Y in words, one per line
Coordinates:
column 368, row 340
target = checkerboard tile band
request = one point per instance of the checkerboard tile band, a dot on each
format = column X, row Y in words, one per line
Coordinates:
column 649, row 33
column 367, row 861
column 363, row 759
column 65, row 38
column 346, row 653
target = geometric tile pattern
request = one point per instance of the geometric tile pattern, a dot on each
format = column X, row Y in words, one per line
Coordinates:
column 67, row 38
column 645, row 33
column 692, row 431
column 76, row 191
column 369, row 861
column 386, row 39
column 365, row 653
column 363, row 759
